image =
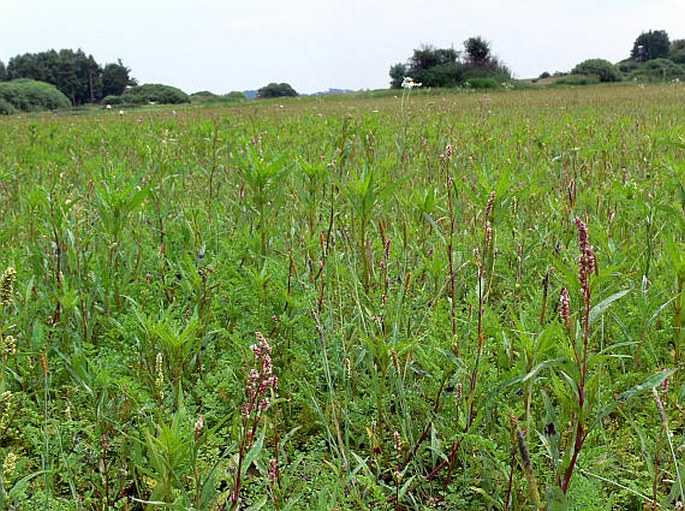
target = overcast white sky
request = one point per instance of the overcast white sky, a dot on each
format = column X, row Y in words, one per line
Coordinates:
column 315, row 44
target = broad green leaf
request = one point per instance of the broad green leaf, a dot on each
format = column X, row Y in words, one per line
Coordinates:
column 597, row 311
column 653, row 381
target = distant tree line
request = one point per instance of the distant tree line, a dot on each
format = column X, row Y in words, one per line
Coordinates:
column 447, row 67
column 77, row 75
column 653, row 57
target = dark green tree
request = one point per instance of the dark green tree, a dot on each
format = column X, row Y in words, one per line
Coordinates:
column 116, row 78
column 276, row 90
column 477, row 51
column 397, row 73
column 651, row 45
column 427, row 57
column 40, row 66
column 434, row 67
column 2, row 71
column 677, row 51
column 75, row 74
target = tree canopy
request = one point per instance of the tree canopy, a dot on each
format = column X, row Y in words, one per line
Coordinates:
column 477, row 51
column 77, row 75
column 116, row 78
column 276, row 90
column 447, row 67
column 651, row 45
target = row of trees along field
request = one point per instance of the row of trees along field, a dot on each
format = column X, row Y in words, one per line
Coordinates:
column 77, row 75
column 653, row 57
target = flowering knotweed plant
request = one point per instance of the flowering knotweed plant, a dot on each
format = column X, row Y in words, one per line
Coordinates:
column 261, row 388
column 260, row 382
column 587, row 265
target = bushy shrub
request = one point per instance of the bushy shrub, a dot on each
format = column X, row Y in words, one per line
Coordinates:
column 604, row 70
column 657, row 70
column 7, row 108
column 202, row 95
column 276, row 90
column 236, row 96
column 154, row 93
column 111, row 100
column 206, row 97
column 483, row 82
column 30, row 96
column 442, row 75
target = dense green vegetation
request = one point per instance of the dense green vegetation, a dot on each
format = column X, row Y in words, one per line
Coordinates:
column 470, row 301
column 447, row 67
column 77, row 75
column 149, row 93
column 276, row 90
column 30, row 96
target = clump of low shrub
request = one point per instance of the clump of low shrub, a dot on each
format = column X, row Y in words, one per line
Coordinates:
column 577, row 80
column 210, row 97
column 658, row 70
column 602, row 69
column 149, row 93
column 26, row 95
column 483, row 83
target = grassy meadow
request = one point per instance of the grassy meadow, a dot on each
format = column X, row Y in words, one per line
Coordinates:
column 377, row 302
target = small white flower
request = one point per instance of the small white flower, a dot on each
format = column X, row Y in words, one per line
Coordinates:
column 109, row 107
column 409, row 83
column 121, row 112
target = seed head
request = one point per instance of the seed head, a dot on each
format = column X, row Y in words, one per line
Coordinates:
column 398, row 441
column 199, row 426
column 159, row 373
column 9, row 465
column 490, row 206
column 9, row 346
column 565, row 306
column 273, row 471
column 5, row 405
column 7, row 285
